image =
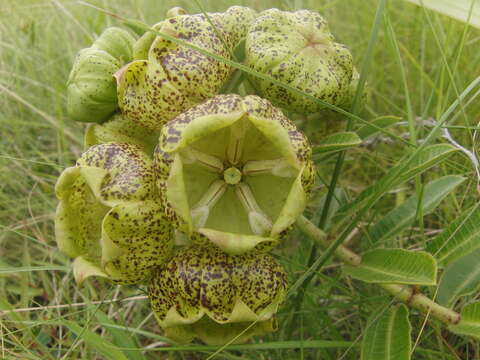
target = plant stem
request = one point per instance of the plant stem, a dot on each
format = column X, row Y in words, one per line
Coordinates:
column 405, row 294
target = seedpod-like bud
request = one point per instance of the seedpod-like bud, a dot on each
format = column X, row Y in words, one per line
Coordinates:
column 236, row 172
column 298, row 49
column 91, row 87
column 168, row 78
column 207, row 294
column 110, row 218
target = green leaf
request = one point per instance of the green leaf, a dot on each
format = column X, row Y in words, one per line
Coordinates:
column 337, row 142
column 404, row 215
column 395, row 266
column 121, row 337
column 422, row 161
column 107, row 349
column 460, row 238
column 388, row 336
column 458, row 9
column 461, row 277
column 375, row 125
column 470, row 321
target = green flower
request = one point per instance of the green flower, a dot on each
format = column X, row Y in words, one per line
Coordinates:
column 166, row 79
column 91, row 87
column 207, row 294
column 236, row 172
column 298, row 49
column 121, row 130
column 109, row 217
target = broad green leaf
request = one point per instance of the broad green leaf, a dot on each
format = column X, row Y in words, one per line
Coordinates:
column 404, row 215
column 375, row 125
column 337, row 142
column 470, row 321
column 461, row 237
column 425, row 159
column 395, row 266
column 107, row 349
column 460, row 278
column 388, row 335
column 458, row 9
column 121, row 337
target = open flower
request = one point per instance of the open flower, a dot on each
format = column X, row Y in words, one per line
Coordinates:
column 91, row 87
column 205, row 293
column 298, row 49
column 121, row 129
column 109, row 217
column 167, row 78
column 235, row 170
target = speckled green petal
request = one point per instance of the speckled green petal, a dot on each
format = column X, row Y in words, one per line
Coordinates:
column 352, row 89
column 298, row 49
column 91, row 88
column 204, row 119
column 203, row 290
column 117, row 173
column 171, row 78
column 110, row 216
column 78, row 217
column 276, row 127
column 121, row 130
column 136, row 236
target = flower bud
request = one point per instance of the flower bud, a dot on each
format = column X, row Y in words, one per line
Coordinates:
column 110, row 217
column 91, row 88
column 168, row 78
column 207, row 294
column 298, row 49
column 235, row 171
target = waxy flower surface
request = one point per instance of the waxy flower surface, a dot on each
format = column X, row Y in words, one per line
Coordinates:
column 167, row 78
column 205, row 293
column 91, row 86
column 109, row 217
column 298, row 49
column 236, row 172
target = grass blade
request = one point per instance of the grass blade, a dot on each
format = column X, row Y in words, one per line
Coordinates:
column 107, row 349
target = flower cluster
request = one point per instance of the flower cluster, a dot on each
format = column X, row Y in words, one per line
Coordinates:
column 183, row 188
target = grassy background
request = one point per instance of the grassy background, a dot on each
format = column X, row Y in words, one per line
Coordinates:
column 420, row 63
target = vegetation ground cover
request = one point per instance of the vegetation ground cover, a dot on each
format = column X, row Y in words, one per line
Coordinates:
column 420, row 64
